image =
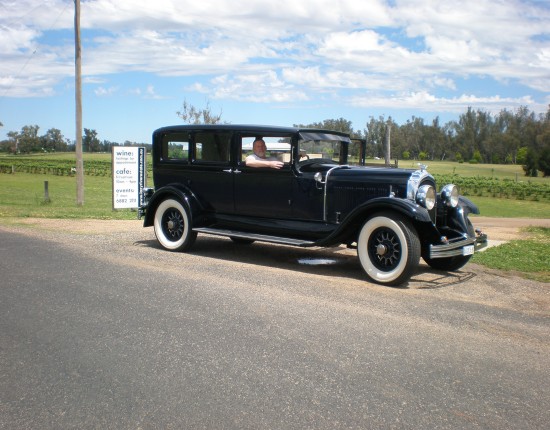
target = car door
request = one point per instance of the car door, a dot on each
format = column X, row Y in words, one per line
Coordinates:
column 210, row 175
column 263, row 191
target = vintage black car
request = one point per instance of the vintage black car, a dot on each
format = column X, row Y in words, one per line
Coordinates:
column 320, row 195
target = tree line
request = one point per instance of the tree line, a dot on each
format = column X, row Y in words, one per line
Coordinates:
column 519, row 137
column 509, row 137
column 29, row 141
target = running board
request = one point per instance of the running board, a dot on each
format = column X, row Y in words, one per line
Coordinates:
column 254, row 236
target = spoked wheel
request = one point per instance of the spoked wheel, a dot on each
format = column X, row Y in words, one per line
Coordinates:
column 388, row 249
column 172, row 226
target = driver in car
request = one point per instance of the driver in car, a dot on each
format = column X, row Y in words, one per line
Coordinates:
column 259, row 159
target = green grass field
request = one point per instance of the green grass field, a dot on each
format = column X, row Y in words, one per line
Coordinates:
column 22, row 195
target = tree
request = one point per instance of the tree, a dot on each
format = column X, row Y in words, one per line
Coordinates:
column 531, row 163
column 53, row 140
column 90, row 142
column 375, row 136
column 13, row 142
column 28, row 140
column 339, row 124
column 472, row 132
column 191, row 115
column 544, row 161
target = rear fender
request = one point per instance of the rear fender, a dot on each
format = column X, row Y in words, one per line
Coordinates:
column 178, row 192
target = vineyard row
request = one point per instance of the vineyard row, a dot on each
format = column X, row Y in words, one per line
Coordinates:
column 468, row 186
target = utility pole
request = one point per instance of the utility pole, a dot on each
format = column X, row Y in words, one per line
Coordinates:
column 387, row 149
column 78, row 96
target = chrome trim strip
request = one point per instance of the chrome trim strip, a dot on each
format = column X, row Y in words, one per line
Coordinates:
column 254, row 236
column 329, row 171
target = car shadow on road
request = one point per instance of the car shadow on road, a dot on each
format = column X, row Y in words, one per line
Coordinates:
column 337, row 261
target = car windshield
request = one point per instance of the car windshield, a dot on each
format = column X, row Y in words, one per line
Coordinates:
column 325, row 149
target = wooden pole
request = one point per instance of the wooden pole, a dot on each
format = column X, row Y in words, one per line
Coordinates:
column 78, row 97
column 387, row 149
column 46, row 192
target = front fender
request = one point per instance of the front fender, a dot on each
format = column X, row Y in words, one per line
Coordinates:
column 350, row 225
column 179, row 192
column 455, row 222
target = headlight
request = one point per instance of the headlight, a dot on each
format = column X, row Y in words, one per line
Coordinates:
column 449, row 194
column 425, row 196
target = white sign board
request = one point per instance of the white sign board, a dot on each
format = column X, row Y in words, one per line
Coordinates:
column 128, row 176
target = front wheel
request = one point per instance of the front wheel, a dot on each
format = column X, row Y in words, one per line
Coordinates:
column 389, row 249
column 172, row 226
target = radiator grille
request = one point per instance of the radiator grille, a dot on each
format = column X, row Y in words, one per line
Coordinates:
column 346, row 198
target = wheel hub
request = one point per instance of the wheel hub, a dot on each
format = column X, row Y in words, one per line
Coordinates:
column 381, row 249
column 174, row 225
column 386, row 249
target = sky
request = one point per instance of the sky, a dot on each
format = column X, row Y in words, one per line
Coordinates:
column 271, row 62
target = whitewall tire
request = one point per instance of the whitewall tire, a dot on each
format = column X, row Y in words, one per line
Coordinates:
column 172, row 226
column 388, row 248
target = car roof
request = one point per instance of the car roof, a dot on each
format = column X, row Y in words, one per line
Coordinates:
column 247, row 128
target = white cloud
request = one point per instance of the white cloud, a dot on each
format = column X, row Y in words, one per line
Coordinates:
column 428, row 102
column 260, row 88
column 105, row 92
column 286, row 51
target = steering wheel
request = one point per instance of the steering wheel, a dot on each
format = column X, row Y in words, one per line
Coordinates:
column 308, row 162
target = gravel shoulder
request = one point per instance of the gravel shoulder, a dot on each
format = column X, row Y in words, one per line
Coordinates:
column 498, row 229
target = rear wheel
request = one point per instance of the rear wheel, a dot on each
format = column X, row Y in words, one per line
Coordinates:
column 172, row 226
column 389, row 249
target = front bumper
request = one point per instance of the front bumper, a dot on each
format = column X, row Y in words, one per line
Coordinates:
column 459, row 247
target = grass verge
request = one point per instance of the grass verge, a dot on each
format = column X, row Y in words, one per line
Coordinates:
column 22, row 195
column 529, row 257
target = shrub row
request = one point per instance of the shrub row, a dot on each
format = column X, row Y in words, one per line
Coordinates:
column 493, row 187
column 468, row 186
column 55, row 167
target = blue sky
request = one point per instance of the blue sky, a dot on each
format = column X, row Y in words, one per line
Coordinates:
column 277, row 62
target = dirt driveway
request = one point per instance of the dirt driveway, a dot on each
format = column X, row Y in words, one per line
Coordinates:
column 128, row 242
column 497, row 229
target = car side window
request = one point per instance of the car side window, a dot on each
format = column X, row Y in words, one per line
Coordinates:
column 212, row 147
column 175, row 147
column 277, row 148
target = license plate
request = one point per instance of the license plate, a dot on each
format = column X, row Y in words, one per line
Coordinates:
column 468, row 250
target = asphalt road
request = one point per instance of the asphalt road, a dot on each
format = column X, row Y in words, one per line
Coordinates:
column 106, row 330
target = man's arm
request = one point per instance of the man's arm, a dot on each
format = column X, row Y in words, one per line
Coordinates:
column 252, row 161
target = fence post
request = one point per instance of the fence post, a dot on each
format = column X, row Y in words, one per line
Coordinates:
column 46, row 192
